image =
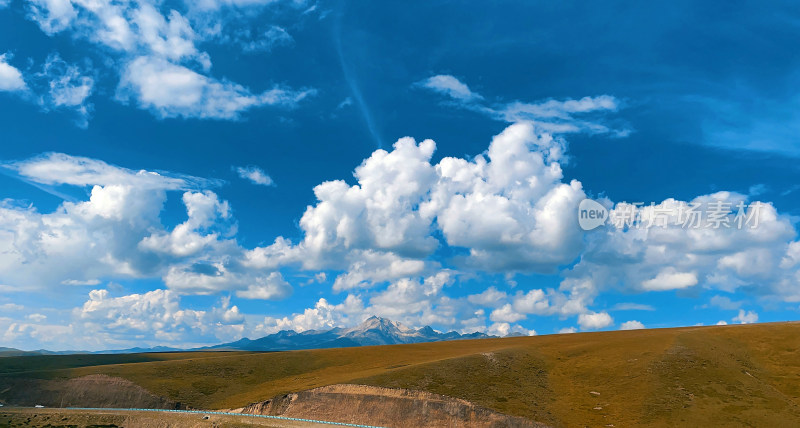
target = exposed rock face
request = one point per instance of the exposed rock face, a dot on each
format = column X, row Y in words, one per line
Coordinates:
column 361, row 404
column 86, row 391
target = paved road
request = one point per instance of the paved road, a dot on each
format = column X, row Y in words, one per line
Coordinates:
column 268, row 420
column 231, row 414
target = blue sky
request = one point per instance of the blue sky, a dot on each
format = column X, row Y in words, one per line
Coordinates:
column 188, row 173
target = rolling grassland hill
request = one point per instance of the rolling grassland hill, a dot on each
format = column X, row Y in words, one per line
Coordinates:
column 743, row 375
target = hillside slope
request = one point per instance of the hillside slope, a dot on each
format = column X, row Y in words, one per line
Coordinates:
column 726, row 375
column 85, row 391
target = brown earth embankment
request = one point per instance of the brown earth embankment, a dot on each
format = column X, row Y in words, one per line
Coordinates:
column 390, row 407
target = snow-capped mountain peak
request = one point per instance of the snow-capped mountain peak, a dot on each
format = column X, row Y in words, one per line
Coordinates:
column 382, row 324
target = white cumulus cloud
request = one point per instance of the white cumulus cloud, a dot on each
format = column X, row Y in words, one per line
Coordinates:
column 745, row 317
column 118, row 233
column 268, row 288
column 594, row 320
column 10, row 77
column 669, row 279
column 631, row 325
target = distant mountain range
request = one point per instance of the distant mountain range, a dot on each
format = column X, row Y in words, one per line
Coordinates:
column 373, row 331
column 13, row 352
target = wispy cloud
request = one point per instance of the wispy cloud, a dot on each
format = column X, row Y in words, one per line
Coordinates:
column 58, row 86
column 60, row 168
column 156, row 53
column 255, row 175
column 352, row 83
column 346, row 102
column 724, row 302
column 749, row 121
column 171, row 90
column 632, row 307
column 582, row 115
column 271, row 38
column 68, row 86
column 450, row 86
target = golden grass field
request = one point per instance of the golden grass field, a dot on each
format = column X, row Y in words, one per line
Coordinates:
column 744, row 375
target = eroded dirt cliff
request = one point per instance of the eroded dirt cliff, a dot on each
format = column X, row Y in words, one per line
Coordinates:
column 370, row 405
